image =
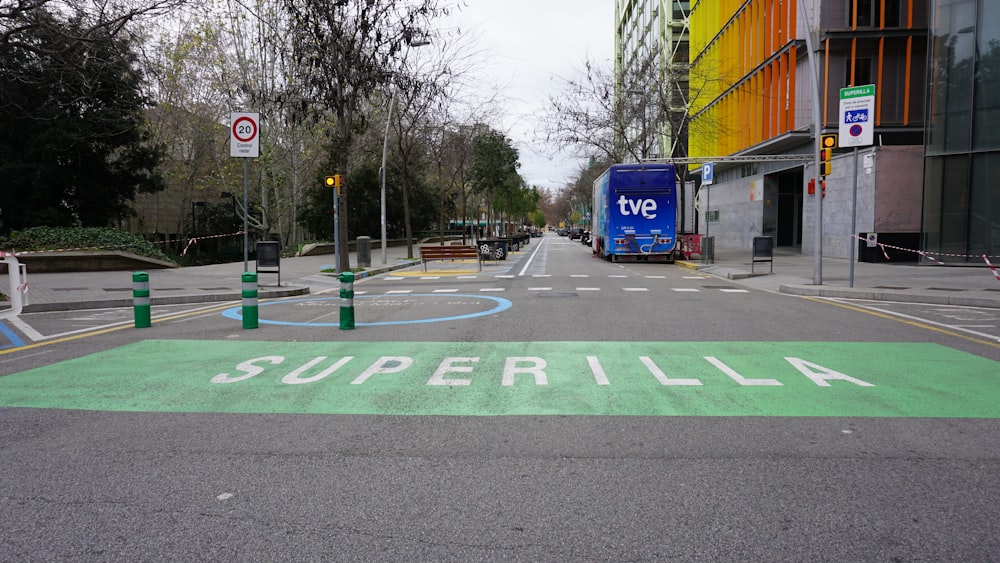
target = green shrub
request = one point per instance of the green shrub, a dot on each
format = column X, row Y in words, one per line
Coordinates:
column 80, row 238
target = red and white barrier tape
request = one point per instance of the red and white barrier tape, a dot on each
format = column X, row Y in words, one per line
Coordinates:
column 992, row 267
column 928, row 255
column 190, row 242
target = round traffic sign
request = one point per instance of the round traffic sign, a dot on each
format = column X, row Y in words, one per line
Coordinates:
column 856, row 130
column 244, row 129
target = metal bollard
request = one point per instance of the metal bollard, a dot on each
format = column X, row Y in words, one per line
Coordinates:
column 347, row 301
column 249, row 294
column 140, row 299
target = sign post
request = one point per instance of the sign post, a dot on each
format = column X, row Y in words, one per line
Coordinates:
column 857, row 129
column 244, row 142
column 707, row 179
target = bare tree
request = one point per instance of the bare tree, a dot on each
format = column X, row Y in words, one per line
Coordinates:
column 104, row 18
column 345, row 52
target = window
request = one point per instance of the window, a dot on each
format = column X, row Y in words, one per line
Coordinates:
column 870, row 13
column 862, row 73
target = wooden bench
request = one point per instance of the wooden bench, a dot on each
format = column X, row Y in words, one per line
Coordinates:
column 449, row 253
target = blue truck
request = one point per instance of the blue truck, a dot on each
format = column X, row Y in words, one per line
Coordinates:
column 635, row 213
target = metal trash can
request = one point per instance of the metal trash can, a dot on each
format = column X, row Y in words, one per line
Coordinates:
column 493, row 249
column 708, row 249
column 364, row 251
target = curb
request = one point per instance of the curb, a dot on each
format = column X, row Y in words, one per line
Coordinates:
column 168, row 300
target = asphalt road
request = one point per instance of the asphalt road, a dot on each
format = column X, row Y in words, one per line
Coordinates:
column 820, row 430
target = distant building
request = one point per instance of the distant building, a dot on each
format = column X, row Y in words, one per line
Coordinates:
column 651, row 67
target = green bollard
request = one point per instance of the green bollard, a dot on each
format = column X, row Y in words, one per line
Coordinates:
column 140, row 299
column 249, row 295
column 347, row 301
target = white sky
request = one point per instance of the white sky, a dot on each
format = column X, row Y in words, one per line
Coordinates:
column 528, row 42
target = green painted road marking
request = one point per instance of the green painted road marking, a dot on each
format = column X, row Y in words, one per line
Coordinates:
column 520, row 378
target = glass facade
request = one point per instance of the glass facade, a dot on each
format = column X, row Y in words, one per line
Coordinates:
column 961, row 212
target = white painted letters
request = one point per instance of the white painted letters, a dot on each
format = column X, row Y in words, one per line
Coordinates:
column 510, row 368
column 384, row 365
column 248, row 368
column 292, row 378
column 737, row 377
column 822, row 376
column 595, row 367
column 448, row 366
column 662, row 378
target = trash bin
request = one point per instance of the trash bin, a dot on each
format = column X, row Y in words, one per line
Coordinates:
column 364, row 251
column 494, row 249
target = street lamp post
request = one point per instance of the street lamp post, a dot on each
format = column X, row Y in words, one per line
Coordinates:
column 385, row 145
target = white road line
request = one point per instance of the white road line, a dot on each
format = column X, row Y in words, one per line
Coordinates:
column 635, row 289
column 530, row 258
column 687, row 289
column 655, row 277
column 467, row 277
column 430, row 277
column 541, row 275
column 588, row 289
column 31, row 333
column 492, row 289
column 617, row 276
column 854, row 303
column 399, row 291
column 504, row 276
column 579, row 275
column 445, row 291
column 734, row 290
column 539, row 289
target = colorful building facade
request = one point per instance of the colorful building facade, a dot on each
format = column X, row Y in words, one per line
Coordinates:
column 751, row 95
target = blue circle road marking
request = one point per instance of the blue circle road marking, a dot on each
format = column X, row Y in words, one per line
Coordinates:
column 501, row 305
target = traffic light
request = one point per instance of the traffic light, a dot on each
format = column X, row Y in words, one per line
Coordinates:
column 334, row 181
column 827, row 143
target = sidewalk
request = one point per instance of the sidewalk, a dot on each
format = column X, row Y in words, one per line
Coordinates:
column 972, row 285
column 793, row 273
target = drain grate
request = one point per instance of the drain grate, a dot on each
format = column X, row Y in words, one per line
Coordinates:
column 117, row 289
column 889, row 287
column 70, row 289
column 556, row 294
column 945, row 289
column 719, row 287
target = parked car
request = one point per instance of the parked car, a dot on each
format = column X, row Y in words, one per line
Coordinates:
column 575, row 233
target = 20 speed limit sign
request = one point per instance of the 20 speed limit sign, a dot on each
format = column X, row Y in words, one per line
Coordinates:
column 243, row 139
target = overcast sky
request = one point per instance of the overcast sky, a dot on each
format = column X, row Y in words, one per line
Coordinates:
column 528, row 42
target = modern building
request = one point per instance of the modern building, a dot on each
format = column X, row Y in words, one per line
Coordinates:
column 961, row 199
column 752, row 96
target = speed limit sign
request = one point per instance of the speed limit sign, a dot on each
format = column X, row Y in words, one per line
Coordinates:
column 243, row 138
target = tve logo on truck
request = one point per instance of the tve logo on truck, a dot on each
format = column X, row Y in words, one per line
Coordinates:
column 635, row 213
